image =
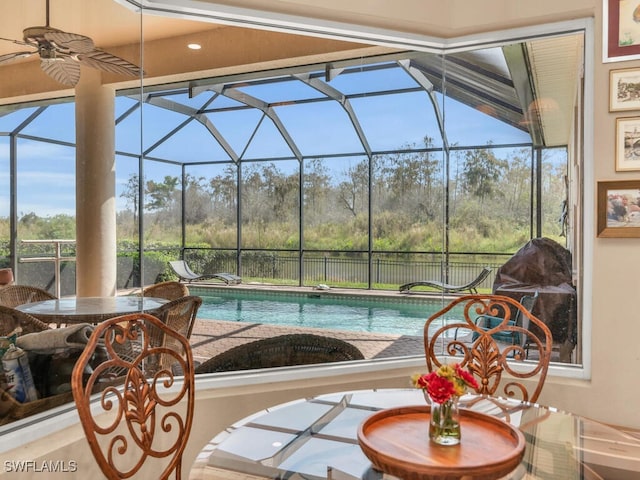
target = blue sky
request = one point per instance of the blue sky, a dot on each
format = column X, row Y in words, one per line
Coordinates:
column 46, row 181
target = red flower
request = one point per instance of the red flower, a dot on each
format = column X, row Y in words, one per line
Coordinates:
column 421, row 381
column 439, row 388
column 466, row 377
column 447, row 381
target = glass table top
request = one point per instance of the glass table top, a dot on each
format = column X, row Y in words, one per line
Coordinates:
column 316, row 438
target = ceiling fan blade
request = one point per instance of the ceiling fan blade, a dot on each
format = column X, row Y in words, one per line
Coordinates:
column 73, row 42
column 17, row 42
column 14, row 56
column 63, row 69
column 109, row 63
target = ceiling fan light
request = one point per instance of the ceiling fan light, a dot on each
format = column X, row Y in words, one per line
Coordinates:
column 47, row 52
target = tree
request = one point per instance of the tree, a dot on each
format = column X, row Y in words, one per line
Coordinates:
column 223, row 191
column 161, row 194
column 353, row 192
column 317, row 187
column 481, row 173
column 130, row 194
column 197, row 200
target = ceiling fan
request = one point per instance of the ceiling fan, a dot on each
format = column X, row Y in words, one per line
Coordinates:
column 62, row 53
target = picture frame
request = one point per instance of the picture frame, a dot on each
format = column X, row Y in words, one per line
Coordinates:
column 620, row 32
column 627, row 144
column 624, row 90
column 618, row 209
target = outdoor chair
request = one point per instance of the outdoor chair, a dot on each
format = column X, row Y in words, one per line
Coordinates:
column 10, row 319
column 471, row 287
column 486, row 356
column 179, row 315
column 182, row 270
column 282, row 351
column 167, row 290
column 510, row 337
column 148, row 418
column 14, row 295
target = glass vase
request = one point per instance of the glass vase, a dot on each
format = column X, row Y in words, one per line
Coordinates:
column 444, row 426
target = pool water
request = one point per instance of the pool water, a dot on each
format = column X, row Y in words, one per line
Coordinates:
column 326, row 311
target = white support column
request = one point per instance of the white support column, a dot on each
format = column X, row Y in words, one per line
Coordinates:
column 95, row 187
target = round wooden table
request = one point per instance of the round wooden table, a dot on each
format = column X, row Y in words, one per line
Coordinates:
column 89, row 309
column 396, row 440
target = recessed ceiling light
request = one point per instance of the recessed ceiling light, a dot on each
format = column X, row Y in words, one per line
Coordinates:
column 194, row 46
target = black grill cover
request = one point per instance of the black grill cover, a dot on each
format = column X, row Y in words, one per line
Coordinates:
column 544, row 265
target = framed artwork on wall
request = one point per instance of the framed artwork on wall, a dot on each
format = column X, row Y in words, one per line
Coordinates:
column 619, row 209
column 624, row 89
column 620, row 30
column 628, row 144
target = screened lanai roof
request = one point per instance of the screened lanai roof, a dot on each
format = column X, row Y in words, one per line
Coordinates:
column 525, row 92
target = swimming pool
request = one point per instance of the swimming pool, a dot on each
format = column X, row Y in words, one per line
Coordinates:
column 319, row 310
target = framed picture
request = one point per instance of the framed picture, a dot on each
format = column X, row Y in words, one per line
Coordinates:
column 620, row 30
column 619, row 209
column 627, row 144
column 624, row 89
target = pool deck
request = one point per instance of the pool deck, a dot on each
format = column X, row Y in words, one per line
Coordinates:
column 211, row 337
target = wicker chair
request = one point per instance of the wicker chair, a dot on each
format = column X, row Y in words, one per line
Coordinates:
column 282, row 351
column 14, row 295
column 151, row 419
column 167, row 290
column 11, row 319
column 179, row 315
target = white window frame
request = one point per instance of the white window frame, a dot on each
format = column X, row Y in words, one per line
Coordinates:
column 201, row 10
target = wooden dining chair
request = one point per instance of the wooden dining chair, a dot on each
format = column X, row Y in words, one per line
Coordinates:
column 168, row 290
column 14, row 295
column 140, row 428
column 501, row 368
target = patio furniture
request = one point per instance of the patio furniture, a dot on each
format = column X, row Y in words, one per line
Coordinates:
column 169, row 290
column 511, row 337
column 487, row 322
column 11, row 318
column 486, row 357
column 14, row 295
column 320, row 436
column 70, row 310
column 182, row 270
column 144, row 408
column 179, row 315
column 447, row 288
column 282, row 351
